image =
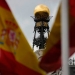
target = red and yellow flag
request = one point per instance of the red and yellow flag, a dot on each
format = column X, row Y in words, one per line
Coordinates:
column 51, row 60
column 16, row 56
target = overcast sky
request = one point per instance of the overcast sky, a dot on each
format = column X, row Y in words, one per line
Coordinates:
column 23, row 9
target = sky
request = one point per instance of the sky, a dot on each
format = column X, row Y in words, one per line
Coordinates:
column 23, row 9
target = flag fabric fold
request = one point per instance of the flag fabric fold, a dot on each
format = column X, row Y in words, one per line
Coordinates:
column 51, row 60
column 16, row 55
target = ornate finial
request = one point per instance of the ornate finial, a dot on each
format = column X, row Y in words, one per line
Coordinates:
column 41, row 18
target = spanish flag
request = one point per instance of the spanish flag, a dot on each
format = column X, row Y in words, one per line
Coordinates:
column 16, row 56
column 51, row 60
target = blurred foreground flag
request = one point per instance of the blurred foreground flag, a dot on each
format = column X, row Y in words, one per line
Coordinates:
column 16, row 56
column 51, row 60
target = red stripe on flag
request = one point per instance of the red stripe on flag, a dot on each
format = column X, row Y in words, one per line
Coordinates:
column 9, row 66
column 72, row 38
column 4, row 4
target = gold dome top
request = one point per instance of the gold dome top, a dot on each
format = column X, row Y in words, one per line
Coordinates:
column 41, row 8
